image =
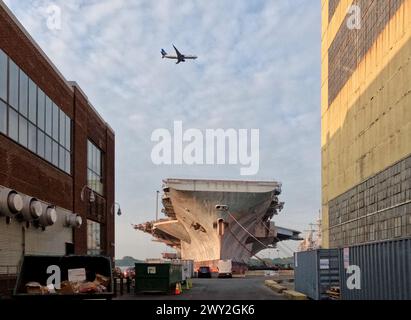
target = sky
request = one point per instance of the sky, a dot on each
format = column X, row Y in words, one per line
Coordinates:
column 258, row 68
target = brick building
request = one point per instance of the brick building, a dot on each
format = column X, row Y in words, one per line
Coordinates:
column 56, row 158
column 366, row 121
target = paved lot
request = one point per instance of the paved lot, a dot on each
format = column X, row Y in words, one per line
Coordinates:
column 250, row 288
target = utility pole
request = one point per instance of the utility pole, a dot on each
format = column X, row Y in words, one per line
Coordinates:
column 157, row 194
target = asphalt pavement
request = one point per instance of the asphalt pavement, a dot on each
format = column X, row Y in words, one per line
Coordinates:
column 250, row 288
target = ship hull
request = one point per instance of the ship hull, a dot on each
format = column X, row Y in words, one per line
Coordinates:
column 209, row 220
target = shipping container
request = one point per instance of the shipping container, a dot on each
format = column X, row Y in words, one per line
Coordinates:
column 157, row 277
column 316, row 272
column 384, row 271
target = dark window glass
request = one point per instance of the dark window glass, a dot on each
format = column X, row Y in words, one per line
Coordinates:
column 62, row 158
column 31, row 118
column 94, row 179
column 68, row 133
column 48, row 149
column 62, row 135
column 13, row 85
column 40, row 143
column 98, row 161
column 68, row 162
column 3, row 75
column 13, row 124
column 94, row 159
column 89, row 154
column 32, row 101
column 55, row 122
column 49, row 116
column 93, row 238
column 41, row 109
column 32, row 137
column 23, row 131
column 55, row 155
column 23, row 102
column 3, row 117
column 89, row 177
column 94, row 163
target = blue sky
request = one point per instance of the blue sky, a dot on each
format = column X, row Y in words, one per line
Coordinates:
column 258, row 67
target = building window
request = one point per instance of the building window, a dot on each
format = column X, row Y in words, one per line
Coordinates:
column 3, row 76
column 3, row 117
column 55, row 154
column 23, row 131
column 94, row 168
column 32, row 138
column 13, row 85
column 68, row 133
column 24, row 90
column 34, row 121
column 55, row 122
column 48, row 148
column 41, row 110
column 13, row 125
column 49, row 112
column 32, row 102
column 40, row 143
column 93, row 238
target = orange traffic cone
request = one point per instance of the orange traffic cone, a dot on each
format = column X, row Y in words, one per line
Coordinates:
column 178, row 289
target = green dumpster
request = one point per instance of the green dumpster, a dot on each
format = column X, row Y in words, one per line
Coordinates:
column 157, row 277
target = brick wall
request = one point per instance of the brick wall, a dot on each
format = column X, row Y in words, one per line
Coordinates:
column 24, row 171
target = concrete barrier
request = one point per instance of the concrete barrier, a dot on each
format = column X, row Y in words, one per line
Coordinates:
column 275, row 286
column 294, row 295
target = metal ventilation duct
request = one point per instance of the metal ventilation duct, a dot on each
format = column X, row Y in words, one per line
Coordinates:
column 32, row 209
column 49, row 216
column 11, row 203
column 73, row 220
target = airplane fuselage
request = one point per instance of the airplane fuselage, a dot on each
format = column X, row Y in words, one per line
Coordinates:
column 182, row 59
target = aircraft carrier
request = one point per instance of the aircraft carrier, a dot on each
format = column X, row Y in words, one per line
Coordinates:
column 211, row 220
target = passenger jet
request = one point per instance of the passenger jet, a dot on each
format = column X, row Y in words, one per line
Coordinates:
column 179, row 57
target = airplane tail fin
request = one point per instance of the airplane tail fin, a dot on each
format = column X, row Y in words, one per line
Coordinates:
column 163, row 53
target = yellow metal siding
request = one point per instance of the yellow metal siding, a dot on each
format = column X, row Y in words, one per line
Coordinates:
column 368, row 126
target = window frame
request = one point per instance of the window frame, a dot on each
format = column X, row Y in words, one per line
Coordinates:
column 26, row 124
column 95, row 180
column 6, row 89
column 94, row 245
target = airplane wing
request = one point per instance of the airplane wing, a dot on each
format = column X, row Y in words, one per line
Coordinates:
column 178, row 52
